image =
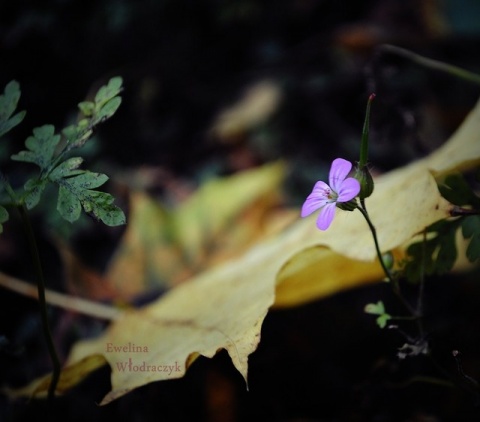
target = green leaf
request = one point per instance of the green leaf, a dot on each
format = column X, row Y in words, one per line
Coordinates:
column 86, row 180
column 3, row 217
column 420, row 260
column 447, row 253
column 68, row 205
column 100, row 206
column 67, row 168
column 378, row 309
column 456, row 190
column 107, row 92
column 76, row 193
column 108, row 110
column 6, row 126
column 471, row 226
column 87, row 108
column 41, row 147
column 8, row 104
column 34, row 188
column 78, row 134
column 436, row 255
column 104, row 106
column 471, row 230
column 383, row 319
column 9, row 100
column 473, row 249
column 375, row 308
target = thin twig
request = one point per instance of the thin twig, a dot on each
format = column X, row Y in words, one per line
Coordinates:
column 432, row 64
column 71, row 303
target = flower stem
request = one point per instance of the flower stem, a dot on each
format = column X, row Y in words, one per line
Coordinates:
column 421, row 284
column 393, row 282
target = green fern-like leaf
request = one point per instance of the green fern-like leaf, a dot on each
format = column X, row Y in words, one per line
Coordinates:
column 76, row 186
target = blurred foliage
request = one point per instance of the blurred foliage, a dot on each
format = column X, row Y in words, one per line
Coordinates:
column 184, row 61
column 437, row 252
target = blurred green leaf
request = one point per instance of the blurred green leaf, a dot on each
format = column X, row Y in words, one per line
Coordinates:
column 437, row 254
column 378, row 309
column 107, row 92
column 8, row 104
column 456, row 190
column 77, row 135
column 471, row 230
column 375, row 308
column 3, row 217
column 447, row 252
column 87, row 108
column 34, row 188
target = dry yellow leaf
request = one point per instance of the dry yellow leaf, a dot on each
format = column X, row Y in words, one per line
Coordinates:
column 162, row 247
column 258, row 103
column 221, row 309
column 224, row 307
column 318, row 272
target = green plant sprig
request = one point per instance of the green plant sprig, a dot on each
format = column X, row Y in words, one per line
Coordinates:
column 76, row 187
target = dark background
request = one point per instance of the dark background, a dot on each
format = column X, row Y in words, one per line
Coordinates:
column 182, row 63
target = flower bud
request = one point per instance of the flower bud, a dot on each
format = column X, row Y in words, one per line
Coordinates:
column 366, row 182
column 348, row 206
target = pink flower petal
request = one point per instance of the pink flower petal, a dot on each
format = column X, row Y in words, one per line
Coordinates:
column 317, row 199
column 326, row 215
column 349, row 189
column 338, row 172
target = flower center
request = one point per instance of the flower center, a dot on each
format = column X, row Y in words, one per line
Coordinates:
column 331, row 195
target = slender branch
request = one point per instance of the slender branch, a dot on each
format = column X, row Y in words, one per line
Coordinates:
column 432, row 64
column 68, row 302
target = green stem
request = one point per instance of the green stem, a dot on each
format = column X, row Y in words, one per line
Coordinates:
column 37, row 263
column 422, row 284
column 364, row 212
column 432, row 64
column 425, row 379
column 42, row 301
column 393, row 282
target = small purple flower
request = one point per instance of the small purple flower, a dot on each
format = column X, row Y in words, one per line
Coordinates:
column 325, row 197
